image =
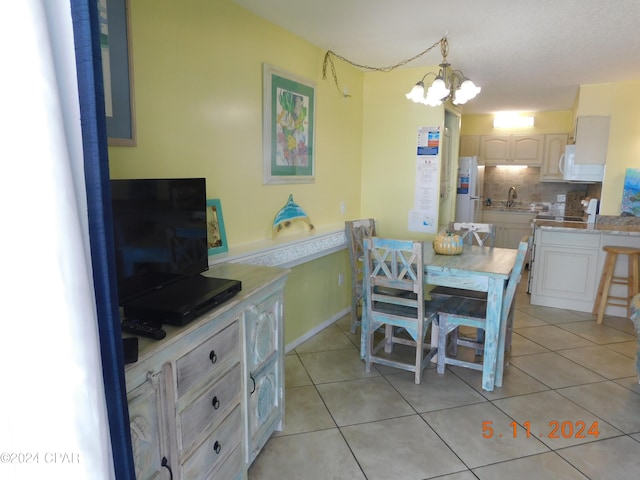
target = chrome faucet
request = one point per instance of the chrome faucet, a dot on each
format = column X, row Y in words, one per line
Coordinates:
column 511, row 196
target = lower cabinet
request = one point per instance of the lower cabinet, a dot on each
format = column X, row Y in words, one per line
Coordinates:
column 510, row 226
column 204, row 400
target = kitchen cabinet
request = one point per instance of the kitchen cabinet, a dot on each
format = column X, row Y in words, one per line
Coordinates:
column 204, row 400
column 567, row 266
column 512, row 149
column 564, row 273
column 554, row 145
column 592, row 139
column 469, row 146
column 510, row 226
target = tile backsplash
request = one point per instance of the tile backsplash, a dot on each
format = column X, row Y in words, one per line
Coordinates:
column 497, row 181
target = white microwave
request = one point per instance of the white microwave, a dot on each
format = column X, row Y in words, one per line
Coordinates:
column 575, row 172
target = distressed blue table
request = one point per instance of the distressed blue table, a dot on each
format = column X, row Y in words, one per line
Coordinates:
column 485, row 270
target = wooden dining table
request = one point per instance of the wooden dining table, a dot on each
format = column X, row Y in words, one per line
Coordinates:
column 485, row 270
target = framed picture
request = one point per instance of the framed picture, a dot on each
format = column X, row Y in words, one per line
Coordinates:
column 216, row 236
column 289, row 105
column 117, row 71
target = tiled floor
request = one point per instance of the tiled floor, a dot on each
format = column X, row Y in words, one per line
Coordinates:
column 344, row 423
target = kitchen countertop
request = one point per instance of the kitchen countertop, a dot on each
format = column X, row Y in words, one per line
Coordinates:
column 604, row 224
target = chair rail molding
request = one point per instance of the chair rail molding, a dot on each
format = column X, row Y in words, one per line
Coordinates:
column 287, row 251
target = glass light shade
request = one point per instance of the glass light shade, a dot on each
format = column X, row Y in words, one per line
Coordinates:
column 417, row 93
column 470, row 89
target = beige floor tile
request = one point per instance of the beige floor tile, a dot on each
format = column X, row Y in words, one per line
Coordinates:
column 435, row 392
column 611, row 459
column 629, row 382
column 555, row 371
column 536, row 467
column 595, row 333
column 335, row 366
column 304, row 411
column 294, row 373
column 402, row 448
column 612, row 402
column 553, row 337
column 544, row 410
column 322, row 455
column 331, row 338
column 552, row 315
column 522, row 319
column 364, row 400
column 628, row 349
column 523, row 346
column 461, row 429
column 515, row 382
column 621, row 323
column 602, row 361
column 466, row 475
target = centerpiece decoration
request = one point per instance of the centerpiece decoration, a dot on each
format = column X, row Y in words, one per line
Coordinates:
column 448, row 243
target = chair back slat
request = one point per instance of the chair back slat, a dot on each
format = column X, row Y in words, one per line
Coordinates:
column 516, row 273
column 482, row 234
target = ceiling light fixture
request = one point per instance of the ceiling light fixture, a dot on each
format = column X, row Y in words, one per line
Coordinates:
column 449, row 84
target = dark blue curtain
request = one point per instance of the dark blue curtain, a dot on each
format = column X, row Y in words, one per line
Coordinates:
column 96, row 165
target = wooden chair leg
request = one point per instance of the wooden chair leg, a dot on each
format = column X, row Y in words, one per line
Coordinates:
column 442, row 345
column 605, row 285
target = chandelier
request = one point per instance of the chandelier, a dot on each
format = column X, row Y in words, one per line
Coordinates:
column 448, row 84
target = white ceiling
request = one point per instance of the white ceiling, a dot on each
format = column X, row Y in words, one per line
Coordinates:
column 527, row 55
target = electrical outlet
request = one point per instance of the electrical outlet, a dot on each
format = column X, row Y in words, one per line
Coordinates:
column 343, row 207
column 340, row 279
column 562, row 198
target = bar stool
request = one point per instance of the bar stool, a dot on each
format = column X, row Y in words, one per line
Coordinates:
column 607, row 279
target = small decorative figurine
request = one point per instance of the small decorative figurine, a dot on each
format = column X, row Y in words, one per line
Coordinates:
column 289, row 213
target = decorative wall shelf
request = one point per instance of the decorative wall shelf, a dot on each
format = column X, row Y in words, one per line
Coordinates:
column 287, row 251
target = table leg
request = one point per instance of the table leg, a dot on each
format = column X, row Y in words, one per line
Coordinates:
column 492, row 333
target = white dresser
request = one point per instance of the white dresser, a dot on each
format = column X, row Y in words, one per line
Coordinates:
column 204, row 400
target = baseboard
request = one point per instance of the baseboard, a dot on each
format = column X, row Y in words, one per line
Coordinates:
column 298, row 341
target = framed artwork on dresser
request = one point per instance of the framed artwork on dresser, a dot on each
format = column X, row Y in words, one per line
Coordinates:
column 117, row 72
column 216, row 235
column 289, row 104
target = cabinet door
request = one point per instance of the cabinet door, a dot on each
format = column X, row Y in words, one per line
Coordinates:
column 264, row 383
column 494, row 149
column 527, row 149
column 469, row 145
column 553, row 150
column 147, row 430
column 592, row 139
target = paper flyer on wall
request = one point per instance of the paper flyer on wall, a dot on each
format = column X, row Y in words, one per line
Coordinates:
column 424, row 216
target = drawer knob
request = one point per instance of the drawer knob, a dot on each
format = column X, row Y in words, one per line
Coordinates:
column 216, row 403
column 217, row 447
column 213, row 357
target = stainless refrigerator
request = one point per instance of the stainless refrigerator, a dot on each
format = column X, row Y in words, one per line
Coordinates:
column 469, row 190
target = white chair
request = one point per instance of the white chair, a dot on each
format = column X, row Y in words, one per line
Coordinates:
column 394, row 300
column 460, row 311
column 355, row 232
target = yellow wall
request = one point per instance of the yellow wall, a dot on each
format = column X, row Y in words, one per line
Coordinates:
column 389, row 149
column 197, row 68
column 622, row 102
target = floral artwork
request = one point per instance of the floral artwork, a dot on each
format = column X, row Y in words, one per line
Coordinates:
column 292, row 129
column 289, row 107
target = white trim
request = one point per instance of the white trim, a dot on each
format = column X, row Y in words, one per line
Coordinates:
column 286, row 251
column 327, row 323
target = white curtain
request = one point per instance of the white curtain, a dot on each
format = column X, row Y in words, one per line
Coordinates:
column 53, row 420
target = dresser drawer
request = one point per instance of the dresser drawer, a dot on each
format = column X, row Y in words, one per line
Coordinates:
column 218, row 446
column 213, row 404
column 212, row 356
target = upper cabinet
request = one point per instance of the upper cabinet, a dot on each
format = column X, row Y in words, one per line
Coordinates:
column 554, row 145
column 592, row 139
column 512, row 149
column 469, row 145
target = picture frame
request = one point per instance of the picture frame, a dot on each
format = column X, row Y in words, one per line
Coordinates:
column 216, row 234
column 117, row 72
column 289, row 105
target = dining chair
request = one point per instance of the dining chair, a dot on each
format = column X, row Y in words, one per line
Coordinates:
column 460, row 311
column 394, row 302
column 355, row 232
column 483, row 235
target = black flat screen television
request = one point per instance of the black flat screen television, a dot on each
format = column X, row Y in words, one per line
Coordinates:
column 160, row 230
